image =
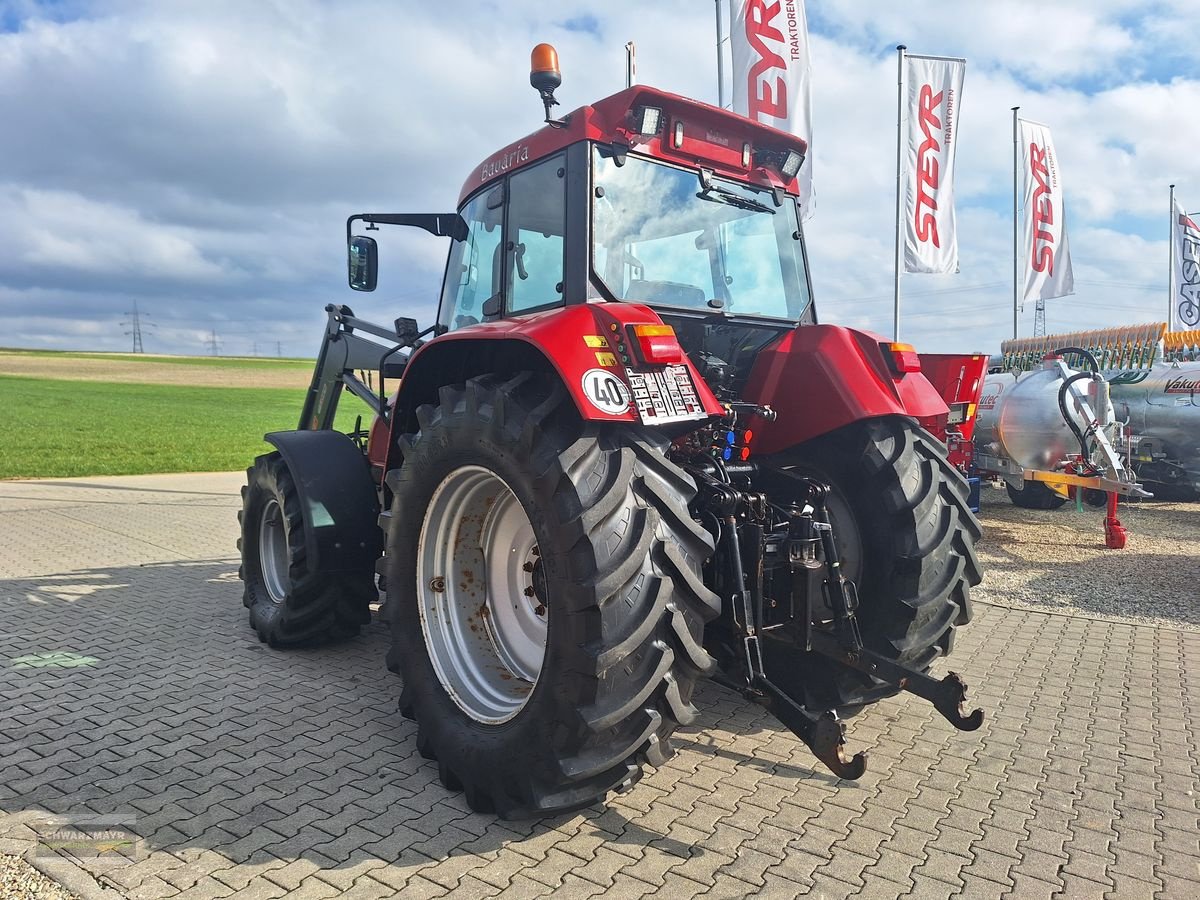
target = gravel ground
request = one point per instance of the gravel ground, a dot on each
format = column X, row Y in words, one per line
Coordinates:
column 21, row 881
column 1056, row 561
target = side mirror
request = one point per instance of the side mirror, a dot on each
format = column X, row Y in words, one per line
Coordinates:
column 363, row 263
column 407, row 330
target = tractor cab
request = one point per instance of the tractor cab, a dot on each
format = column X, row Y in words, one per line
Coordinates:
column 644, row 197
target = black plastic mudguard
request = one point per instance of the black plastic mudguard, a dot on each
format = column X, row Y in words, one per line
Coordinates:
column 341, row 507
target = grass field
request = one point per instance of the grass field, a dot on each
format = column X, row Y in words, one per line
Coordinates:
column 55, row 428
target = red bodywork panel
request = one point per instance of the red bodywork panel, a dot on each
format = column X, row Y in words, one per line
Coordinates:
column 958, row 377
column 819, row 378
column 571, row 341
column 712, row 138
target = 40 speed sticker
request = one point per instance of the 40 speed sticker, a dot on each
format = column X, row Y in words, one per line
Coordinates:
column 606, row 391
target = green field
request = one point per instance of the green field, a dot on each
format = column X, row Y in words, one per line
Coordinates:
column 74, row 428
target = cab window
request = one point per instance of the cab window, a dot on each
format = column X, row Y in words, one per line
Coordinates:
column 474, row 271
column 534, row 236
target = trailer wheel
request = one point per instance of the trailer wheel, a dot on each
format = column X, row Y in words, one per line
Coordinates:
column 906, row 534
column 1034, row 495
column 544, row 594
column 289, row 605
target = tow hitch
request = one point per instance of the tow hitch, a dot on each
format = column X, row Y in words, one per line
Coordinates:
column 817, row 578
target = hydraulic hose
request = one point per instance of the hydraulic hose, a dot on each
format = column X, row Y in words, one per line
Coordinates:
column 1086, row 354
column 1062, row 407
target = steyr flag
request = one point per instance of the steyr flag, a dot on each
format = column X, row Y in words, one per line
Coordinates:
column 1047, row 254
column 934, row 91
column 772, row 76
column 1186, row 303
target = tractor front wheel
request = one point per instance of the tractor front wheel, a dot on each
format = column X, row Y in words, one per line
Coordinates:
column 544, row 594
column 290, row 604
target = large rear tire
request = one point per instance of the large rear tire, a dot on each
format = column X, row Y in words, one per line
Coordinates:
column 1034, row 495
column 291, row 605
column 906, row 534
column 507, row 502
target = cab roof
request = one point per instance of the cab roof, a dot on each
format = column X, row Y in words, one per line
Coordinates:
column 690, row 133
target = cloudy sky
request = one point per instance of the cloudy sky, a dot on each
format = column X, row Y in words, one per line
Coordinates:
column 199, row 158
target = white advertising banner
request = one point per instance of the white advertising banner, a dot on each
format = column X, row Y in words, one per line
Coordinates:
column 1047, row 254
column 1186, row 302
column 933, row 93
column 772, row 75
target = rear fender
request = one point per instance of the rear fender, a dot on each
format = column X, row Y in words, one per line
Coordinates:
column 573, row 342
column 820, row 378
column 337, row 496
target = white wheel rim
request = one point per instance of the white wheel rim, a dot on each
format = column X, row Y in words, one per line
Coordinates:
column 480, row 595
column 273, row 551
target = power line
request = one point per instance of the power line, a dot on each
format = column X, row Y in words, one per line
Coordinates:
column 954, row 290
column 213, row 344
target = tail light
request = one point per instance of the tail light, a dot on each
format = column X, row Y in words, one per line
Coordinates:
column 656, row 345
column 902, row 358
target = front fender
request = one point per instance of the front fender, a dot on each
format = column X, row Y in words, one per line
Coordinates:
column 337, row 496
column 820, row 378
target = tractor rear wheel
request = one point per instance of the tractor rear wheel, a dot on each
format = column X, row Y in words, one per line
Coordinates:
column 544, row 594
column 291, row 605
column 1034, row 495
column 906, row 535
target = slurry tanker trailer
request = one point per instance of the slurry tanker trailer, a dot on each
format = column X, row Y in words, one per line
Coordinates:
column 1163, row 416
column 1093, row 413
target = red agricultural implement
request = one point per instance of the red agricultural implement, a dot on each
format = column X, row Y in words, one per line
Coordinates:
column 958, row 378
column 626, row 457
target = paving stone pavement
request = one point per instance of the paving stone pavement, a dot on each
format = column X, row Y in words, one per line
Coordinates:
column 134, row 692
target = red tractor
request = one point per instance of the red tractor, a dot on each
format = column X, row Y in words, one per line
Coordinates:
column 626, row 457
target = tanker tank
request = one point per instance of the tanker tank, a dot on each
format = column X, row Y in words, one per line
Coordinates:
column 1053, row 433
column 1019, row 419
column 1162, row 411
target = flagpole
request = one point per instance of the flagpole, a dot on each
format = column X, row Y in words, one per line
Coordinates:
column 1171, row 258
column 1016, row 166
column 900, row 48
column 720, row 61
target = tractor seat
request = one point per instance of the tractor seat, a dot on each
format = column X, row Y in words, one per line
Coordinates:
column 669, row 292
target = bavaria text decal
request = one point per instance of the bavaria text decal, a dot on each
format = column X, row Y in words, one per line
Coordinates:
column 1186, row 235
column 500, row 164
column 606, row 391
column 772, row 75
column 1047, row 255
column 934, row 91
